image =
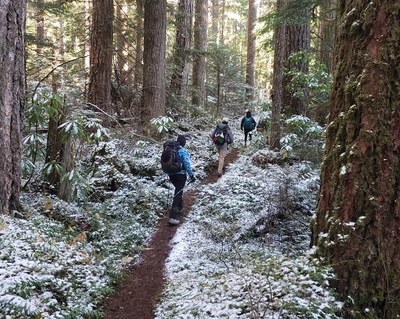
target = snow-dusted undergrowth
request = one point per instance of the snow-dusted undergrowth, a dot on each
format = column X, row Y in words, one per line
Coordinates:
column 242, row 254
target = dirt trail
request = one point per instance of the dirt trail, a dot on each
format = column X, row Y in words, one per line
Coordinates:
column 140, row 287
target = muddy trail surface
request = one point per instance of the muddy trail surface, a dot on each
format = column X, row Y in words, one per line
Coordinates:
column 137, row 294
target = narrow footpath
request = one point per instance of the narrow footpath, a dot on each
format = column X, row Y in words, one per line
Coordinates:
column 140, row 287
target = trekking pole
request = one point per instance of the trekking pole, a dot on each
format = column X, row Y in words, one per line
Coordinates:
column 190, row 182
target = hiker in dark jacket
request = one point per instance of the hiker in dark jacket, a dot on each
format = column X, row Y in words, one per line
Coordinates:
column 248, row 124
column 222, row 149
column 179, row 180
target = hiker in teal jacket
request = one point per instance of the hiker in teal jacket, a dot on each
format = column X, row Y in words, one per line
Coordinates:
column 248, row 124
column 179, row 181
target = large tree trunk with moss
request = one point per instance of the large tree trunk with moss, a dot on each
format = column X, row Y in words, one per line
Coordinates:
column 155, row 17
column 358, row 214
column 101, row 50
column 199, row 54
column 12, row 95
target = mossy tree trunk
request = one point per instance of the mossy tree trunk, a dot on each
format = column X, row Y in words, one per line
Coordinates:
column 358, row 215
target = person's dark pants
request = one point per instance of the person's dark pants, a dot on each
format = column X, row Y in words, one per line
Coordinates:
column 246, row 133
column 179, row 181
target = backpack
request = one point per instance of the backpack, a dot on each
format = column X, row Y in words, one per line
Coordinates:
column 220, row 136
column 170, row 162
column 248, row 123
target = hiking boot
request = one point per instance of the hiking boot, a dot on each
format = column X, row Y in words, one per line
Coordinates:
column 173, row 222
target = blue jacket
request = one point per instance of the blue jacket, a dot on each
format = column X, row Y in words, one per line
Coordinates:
column 185, row 159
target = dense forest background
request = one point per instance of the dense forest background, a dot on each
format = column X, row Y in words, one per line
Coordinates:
column 74, row 71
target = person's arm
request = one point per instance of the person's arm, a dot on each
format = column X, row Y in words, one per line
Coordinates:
column 230, row 136
column 186, row 161
column 241, row 124
column 254, row 122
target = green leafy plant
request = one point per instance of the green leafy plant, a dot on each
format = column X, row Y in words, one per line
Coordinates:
column 163, row 124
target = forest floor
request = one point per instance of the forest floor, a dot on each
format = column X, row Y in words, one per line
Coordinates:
column 140, row 287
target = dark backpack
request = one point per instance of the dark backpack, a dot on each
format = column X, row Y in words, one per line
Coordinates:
column 248, row 124
column 220, row 136
column 170, row 162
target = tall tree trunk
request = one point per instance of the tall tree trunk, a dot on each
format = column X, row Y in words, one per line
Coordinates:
column 199, row 55
column 358, row 213
column 251, row 50
column 40, row 34
column 139, row 45
column 183, row 42
column 101, row 50
column 222, row 23
column 86, row 43
column 277, row 82
column 327, row 31
column 214, row 20
column 12, row 95
column 155, row 16
column 297, row 40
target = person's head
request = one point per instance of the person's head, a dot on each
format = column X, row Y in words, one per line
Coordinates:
column 248, row 112
column 182, row 140
column 225, row 120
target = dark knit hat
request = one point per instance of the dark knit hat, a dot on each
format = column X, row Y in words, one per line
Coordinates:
column 182, row 140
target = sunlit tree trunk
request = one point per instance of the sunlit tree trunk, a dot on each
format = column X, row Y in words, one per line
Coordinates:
column 199, row 54
column 358, row 213
column 155, row 16
column 101, row 50
column 12, row 95
column 251, row 50
column 183, row 42
column 87, row 28
column 277, row 82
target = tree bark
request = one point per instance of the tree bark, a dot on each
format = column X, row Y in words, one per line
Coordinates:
column 12, row 95
column 251, row 50
column 139, row 45
column 277, row 91
column 155, row 16
column 199, row 55
column 214, row 20
column 183, row 43
column 327, row 31
column 101, row 50
column 358, row 214
column 297, row 40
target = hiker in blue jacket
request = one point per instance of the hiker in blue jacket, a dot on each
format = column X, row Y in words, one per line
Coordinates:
column 179, row 180
column 248, row 124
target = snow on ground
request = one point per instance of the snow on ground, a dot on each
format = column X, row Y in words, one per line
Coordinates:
column 232, row 258
column 241, row 253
